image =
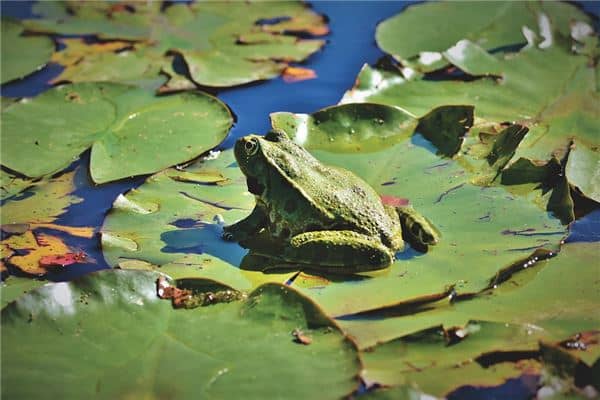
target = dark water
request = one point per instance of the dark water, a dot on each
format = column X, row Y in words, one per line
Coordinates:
column 351, row 43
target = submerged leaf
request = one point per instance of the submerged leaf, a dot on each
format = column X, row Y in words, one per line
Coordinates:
column 15, row 62
column 116, row 319
column 34, row 251
column 130, row 131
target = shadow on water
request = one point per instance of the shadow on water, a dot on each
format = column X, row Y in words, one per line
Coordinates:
column 203, row 240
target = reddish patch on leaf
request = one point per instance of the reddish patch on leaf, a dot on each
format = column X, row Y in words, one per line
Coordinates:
column 62, row 260
column 179, row 297
column 297, row 74
column 301, row 338
column 394, row 201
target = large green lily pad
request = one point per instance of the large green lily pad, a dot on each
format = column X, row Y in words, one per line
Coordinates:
column 482, row 229
column 491, row 25
column 129, row 130
column 549, row 87
column 173, row 223
column 561, row 295
column 110, row 336
column 222, row 44
column 16, row 62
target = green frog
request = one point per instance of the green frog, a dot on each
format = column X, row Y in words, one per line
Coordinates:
column 317, row 215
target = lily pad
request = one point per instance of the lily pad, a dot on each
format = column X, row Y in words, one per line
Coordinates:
column 13, row 287
column 548, row 87
column 17, row 63
column 113, row 61
column 173, row 223
column 492, row 26
column 117, row 321
column 482, row 229
column 130, row 131
column 572, row 273
column 222, row 44
column 41, row 204
column 27, row 216
column 430, row 361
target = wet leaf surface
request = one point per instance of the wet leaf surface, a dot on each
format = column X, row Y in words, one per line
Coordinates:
column 437, row 364
column 473, row 221
column 130, row 131
column 17, row 63
column 222, row 44
column 13, row 287
column 215, row 347
column 492, row 26
column 548, row 87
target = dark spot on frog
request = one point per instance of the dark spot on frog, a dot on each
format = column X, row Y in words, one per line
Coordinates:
column 254, row 186
column 388, row 183
column 313, row 228
column 290, row 206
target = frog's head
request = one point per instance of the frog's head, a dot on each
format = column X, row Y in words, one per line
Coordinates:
column 258, row 156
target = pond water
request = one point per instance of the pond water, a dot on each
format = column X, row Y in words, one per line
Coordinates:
column 350, row 44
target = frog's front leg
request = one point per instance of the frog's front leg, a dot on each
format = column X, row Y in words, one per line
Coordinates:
column 247, row 227
column 416, row 229
column 346, row 251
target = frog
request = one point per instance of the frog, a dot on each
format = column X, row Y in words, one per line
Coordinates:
column 320, row 216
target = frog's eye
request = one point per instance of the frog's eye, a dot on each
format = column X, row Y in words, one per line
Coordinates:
column 251, row 146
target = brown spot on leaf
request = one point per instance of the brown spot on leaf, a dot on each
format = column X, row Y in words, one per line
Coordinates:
column 300, row 337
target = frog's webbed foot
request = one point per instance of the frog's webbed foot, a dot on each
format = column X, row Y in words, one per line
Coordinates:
column 417, row 230
column 344, row 251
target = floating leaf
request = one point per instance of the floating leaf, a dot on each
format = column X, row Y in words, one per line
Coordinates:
column 109, row 62
column 492, row 26
column 11, row 184
column 47, row 200
column 17, row 63
column 181, row 235
column 549, row 88
column 36, row 249
column 572, row 273
column 117, row 320
column 476, row 223
column 222, row 44
column 130, row 131
column 14, row 286
column 437, row 365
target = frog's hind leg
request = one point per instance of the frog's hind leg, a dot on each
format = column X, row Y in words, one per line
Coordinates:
column 346, row 251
